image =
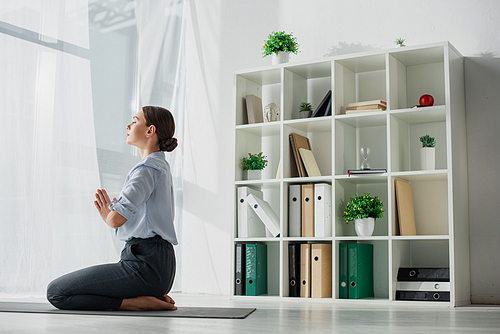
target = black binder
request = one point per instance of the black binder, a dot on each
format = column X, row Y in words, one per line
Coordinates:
column 239, row 276
column 325, row 107
column 441, row 296
column 424, row 274
column 294, row 270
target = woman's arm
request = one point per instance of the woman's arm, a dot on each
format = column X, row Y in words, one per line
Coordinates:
column 110, row 217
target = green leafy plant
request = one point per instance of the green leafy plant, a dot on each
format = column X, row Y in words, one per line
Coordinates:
column 363, row 207
column 428, row 141
column 305, row 106
column 280, row 41
column 254, row 162
column 399, row 41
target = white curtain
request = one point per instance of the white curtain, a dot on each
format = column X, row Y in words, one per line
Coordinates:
column 48, row 222
column 160, row 27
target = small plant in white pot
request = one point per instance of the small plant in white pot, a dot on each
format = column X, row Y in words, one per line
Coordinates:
column 428, row 153
column 399, row 42
column 363, row 210
column 305, row 110
column 280, row 45
column 253, row 165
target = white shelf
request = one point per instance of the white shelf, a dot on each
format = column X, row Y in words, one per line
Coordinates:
column 399, row 76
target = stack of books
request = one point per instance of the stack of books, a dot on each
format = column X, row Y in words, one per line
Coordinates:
column 366, row 106
column 429, row 284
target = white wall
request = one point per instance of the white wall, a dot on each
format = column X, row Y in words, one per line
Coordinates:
column 227, row 35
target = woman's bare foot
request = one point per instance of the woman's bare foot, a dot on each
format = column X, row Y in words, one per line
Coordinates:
column 148, row 303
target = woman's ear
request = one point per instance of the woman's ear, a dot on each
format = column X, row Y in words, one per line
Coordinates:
column 151, row 131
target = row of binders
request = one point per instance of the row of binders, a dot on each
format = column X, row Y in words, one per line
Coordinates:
column 256, row 218
column 427, row 284
column 310, row 210
column 310, row 270
column 250, row 277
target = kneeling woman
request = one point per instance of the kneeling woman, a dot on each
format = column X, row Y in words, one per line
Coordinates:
column 143, row 216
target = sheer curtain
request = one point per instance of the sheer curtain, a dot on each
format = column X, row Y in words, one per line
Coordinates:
column 49, row 169
column 160, row 27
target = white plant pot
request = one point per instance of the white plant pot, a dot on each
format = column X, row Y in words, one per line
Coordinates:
column 282, row 57
column 428, row 158
column 364, row 226
column 253, row 174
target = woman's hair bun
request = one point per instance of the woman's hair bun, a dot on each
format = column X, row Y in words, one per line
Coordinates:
column 168, row 144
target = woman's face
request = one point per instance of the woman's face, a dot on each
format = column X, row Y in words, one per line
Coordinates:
column 137, row 130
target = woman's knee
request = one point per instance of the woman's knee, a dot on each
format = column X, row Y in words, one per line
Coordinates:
column 55, row 296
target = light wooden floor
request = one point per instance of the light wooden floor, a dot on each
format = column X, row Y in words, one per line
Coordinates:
column 270, row 317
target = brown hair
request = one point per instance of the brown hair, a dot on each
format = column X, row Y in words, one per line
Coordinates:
column 164, row 122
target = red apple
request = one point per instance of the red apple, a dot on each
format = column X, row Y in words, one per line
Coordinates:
column 426, row 100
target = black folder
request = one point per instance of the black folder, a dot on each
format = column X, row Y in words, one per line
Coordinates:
column 441, row 296
column 239, row 276
column 424, row 274
column 325, row 107
column 294, row 270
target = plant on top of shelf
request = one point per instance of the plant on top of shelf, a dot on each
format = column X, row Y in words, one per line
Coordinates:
column 399, row 41
column 428, row 141
column 254, row 162
column 280, row 41
column 364, row 206
column 305, row 109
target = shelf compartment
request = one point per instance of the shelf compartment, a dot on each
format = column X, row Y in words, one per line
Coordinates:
column 270, row 194
column 255, row 139
column 406, row 130
column 273, row 265
column 418, row 254
column 320, row 137
column 286, row 209
column 359, row 79
column 430, row 203
column 305, row 83
column 352, row 133
column 380, row 269
column 265, row 84
column 345, row 189
column 414, row 73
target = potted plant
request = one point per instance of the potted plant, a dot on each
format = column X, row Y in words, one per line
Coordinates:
column 399, row 42
column 428, row 153
column 363, row 210
column 305, row 110
column 253, row 165
column 280, row 45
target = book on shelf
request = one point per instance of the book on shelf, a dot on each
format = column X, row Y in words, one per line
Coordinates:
column 305, row 270
column 249, row 223
column 367, row 108
column 366, row 171
column 405, row 215
column 265, row 213
column 239, row 269
column 423, row 286
column 441, row 296
column 325, row 107
column 367, row 103
column 322, row 210
column 296, row 142
column 321, row 270
column 308, row 210
column 295, row 210
column 254, row 109
column 355, row 270
column 256, row 269
column 294, row 270
column 424, row 274
column 309, row 162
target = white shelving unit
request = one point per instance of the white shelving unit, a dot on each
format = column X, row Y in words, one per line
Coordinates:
column 399, row 76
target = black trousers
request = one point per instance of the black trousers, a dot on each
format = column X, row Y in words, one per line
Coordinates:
column 146, row 268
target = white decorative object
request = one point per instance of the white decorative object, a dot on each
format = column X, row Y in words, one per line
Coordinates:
column 364, row 226
column 271, row 112
column 282, row 57
column 428, row 158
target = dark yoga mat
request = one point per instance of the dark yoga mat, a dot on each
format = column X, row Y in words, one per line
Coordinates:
column 181, row 312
